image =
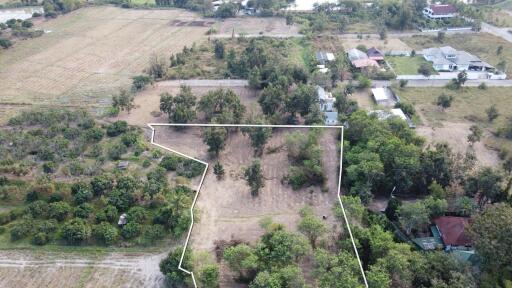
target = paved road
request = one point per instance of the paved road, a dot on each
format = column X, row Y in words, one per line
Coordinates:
column 397, row 34
column 497, row 31
column 205, row 83
column 441, row 83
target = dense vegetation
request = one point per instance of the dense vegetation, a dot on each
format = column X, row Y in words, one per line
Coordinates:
column 76, row 178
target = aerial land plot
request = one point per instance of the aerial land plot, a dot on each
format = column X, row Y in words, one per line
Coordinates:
column 229, row 213
column 86, row 55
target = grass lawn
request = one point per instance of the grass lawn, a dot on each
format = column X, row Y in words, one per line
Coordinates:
column 483, row 45
column 469, row 105
column 361, row 27
column 406, row 65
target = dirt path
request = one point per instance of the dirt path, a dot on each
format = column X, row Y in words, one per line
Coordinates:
column 44, row 269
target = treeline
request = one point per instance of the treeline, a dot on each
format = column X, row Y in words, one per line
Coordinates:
column 387, row 158
column 102, row 201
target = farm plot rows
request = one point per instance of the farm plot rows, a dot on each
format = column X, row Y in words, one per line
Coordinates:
column 86, row 55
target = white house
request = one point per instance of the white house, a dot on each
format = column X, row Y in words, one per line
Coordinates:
column 326, row 102
column 449, row 59
column 440, row 11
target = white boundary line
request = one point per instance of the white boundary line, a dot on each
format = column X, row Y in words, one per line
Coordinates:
column 152, row 127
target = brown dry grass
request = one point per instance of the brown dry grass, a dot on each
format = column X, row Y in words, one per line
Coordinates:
column 89, row 54
column 147, row 102
column 226, row 209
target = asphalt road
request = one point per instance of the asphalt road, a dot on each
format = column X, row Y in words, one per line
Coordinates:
column 441, row 83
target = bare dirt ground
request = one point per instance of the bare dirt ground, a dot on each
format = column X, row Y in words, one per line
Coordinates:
column 86, row 55
column 43, row 269
column 147, row 102
column 254, row 26
column 227, row 211
column 383, row 45
column 455, row 134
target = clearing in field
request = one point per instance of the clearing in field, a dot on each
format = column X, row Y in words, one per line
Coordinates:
column 228, row 212
column 452, row 124
column 88, row 54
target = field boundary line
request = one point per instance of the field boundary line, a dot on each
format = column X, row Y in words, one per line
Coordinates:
column 342, row 128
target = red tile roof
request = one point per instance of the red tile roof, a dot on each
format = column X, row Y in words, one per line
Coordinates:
column 453, row 230
column 443, row 9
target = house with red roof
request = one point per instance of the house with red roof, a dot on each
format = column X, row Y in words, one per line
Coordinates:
column 453, row 231
column 440, row 11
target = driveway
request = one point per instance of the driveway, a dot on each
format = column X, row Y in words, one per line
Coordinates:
column 497, row 31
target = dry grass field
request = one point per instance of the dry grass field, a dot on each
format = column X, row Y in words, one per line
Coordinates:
column 226, row 209
column 255, row 26
column 468, row 108
column 147, row 102
column 43, row 269
column 88, row 54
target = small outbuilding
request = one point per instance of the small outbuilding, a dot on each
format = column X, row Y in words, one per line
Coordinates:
column 324, row 57
column 384, row 96
column 122, row 220
column 375, row 54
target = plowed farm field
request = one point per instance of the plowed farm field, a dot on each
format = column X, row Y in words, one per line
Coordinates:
column 87, row 55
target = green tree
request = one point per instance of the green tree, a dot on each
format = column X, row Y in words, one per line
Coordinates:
column 336, row 271
column 301, row 100
column 169, row 267
column 254, row 177
column 106, row 233
column 465, row 206
column 76, row 231
column 218, row 170
column 476, row 134
column 278, row 247
column 259, row 136
column 271, row 99
column 123, row 101
column 492, row 113
column 219, row 49
column 209, row 276
column 242, row 260
column 444, row 101
column 413, row 216
column 486, row 185
column 215, row 138
column 492, row 231
column 311, row 226
column 59, row 210
column 180, row 108
column 140, row 82
column 223, row 106
column 425, row 69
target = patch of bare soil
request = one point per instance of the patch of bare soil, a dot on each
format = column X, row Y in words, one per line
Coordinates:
column 227, row 211
column 147, row 103
column 256, row 26
column 455, row 134
column 52, row 269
